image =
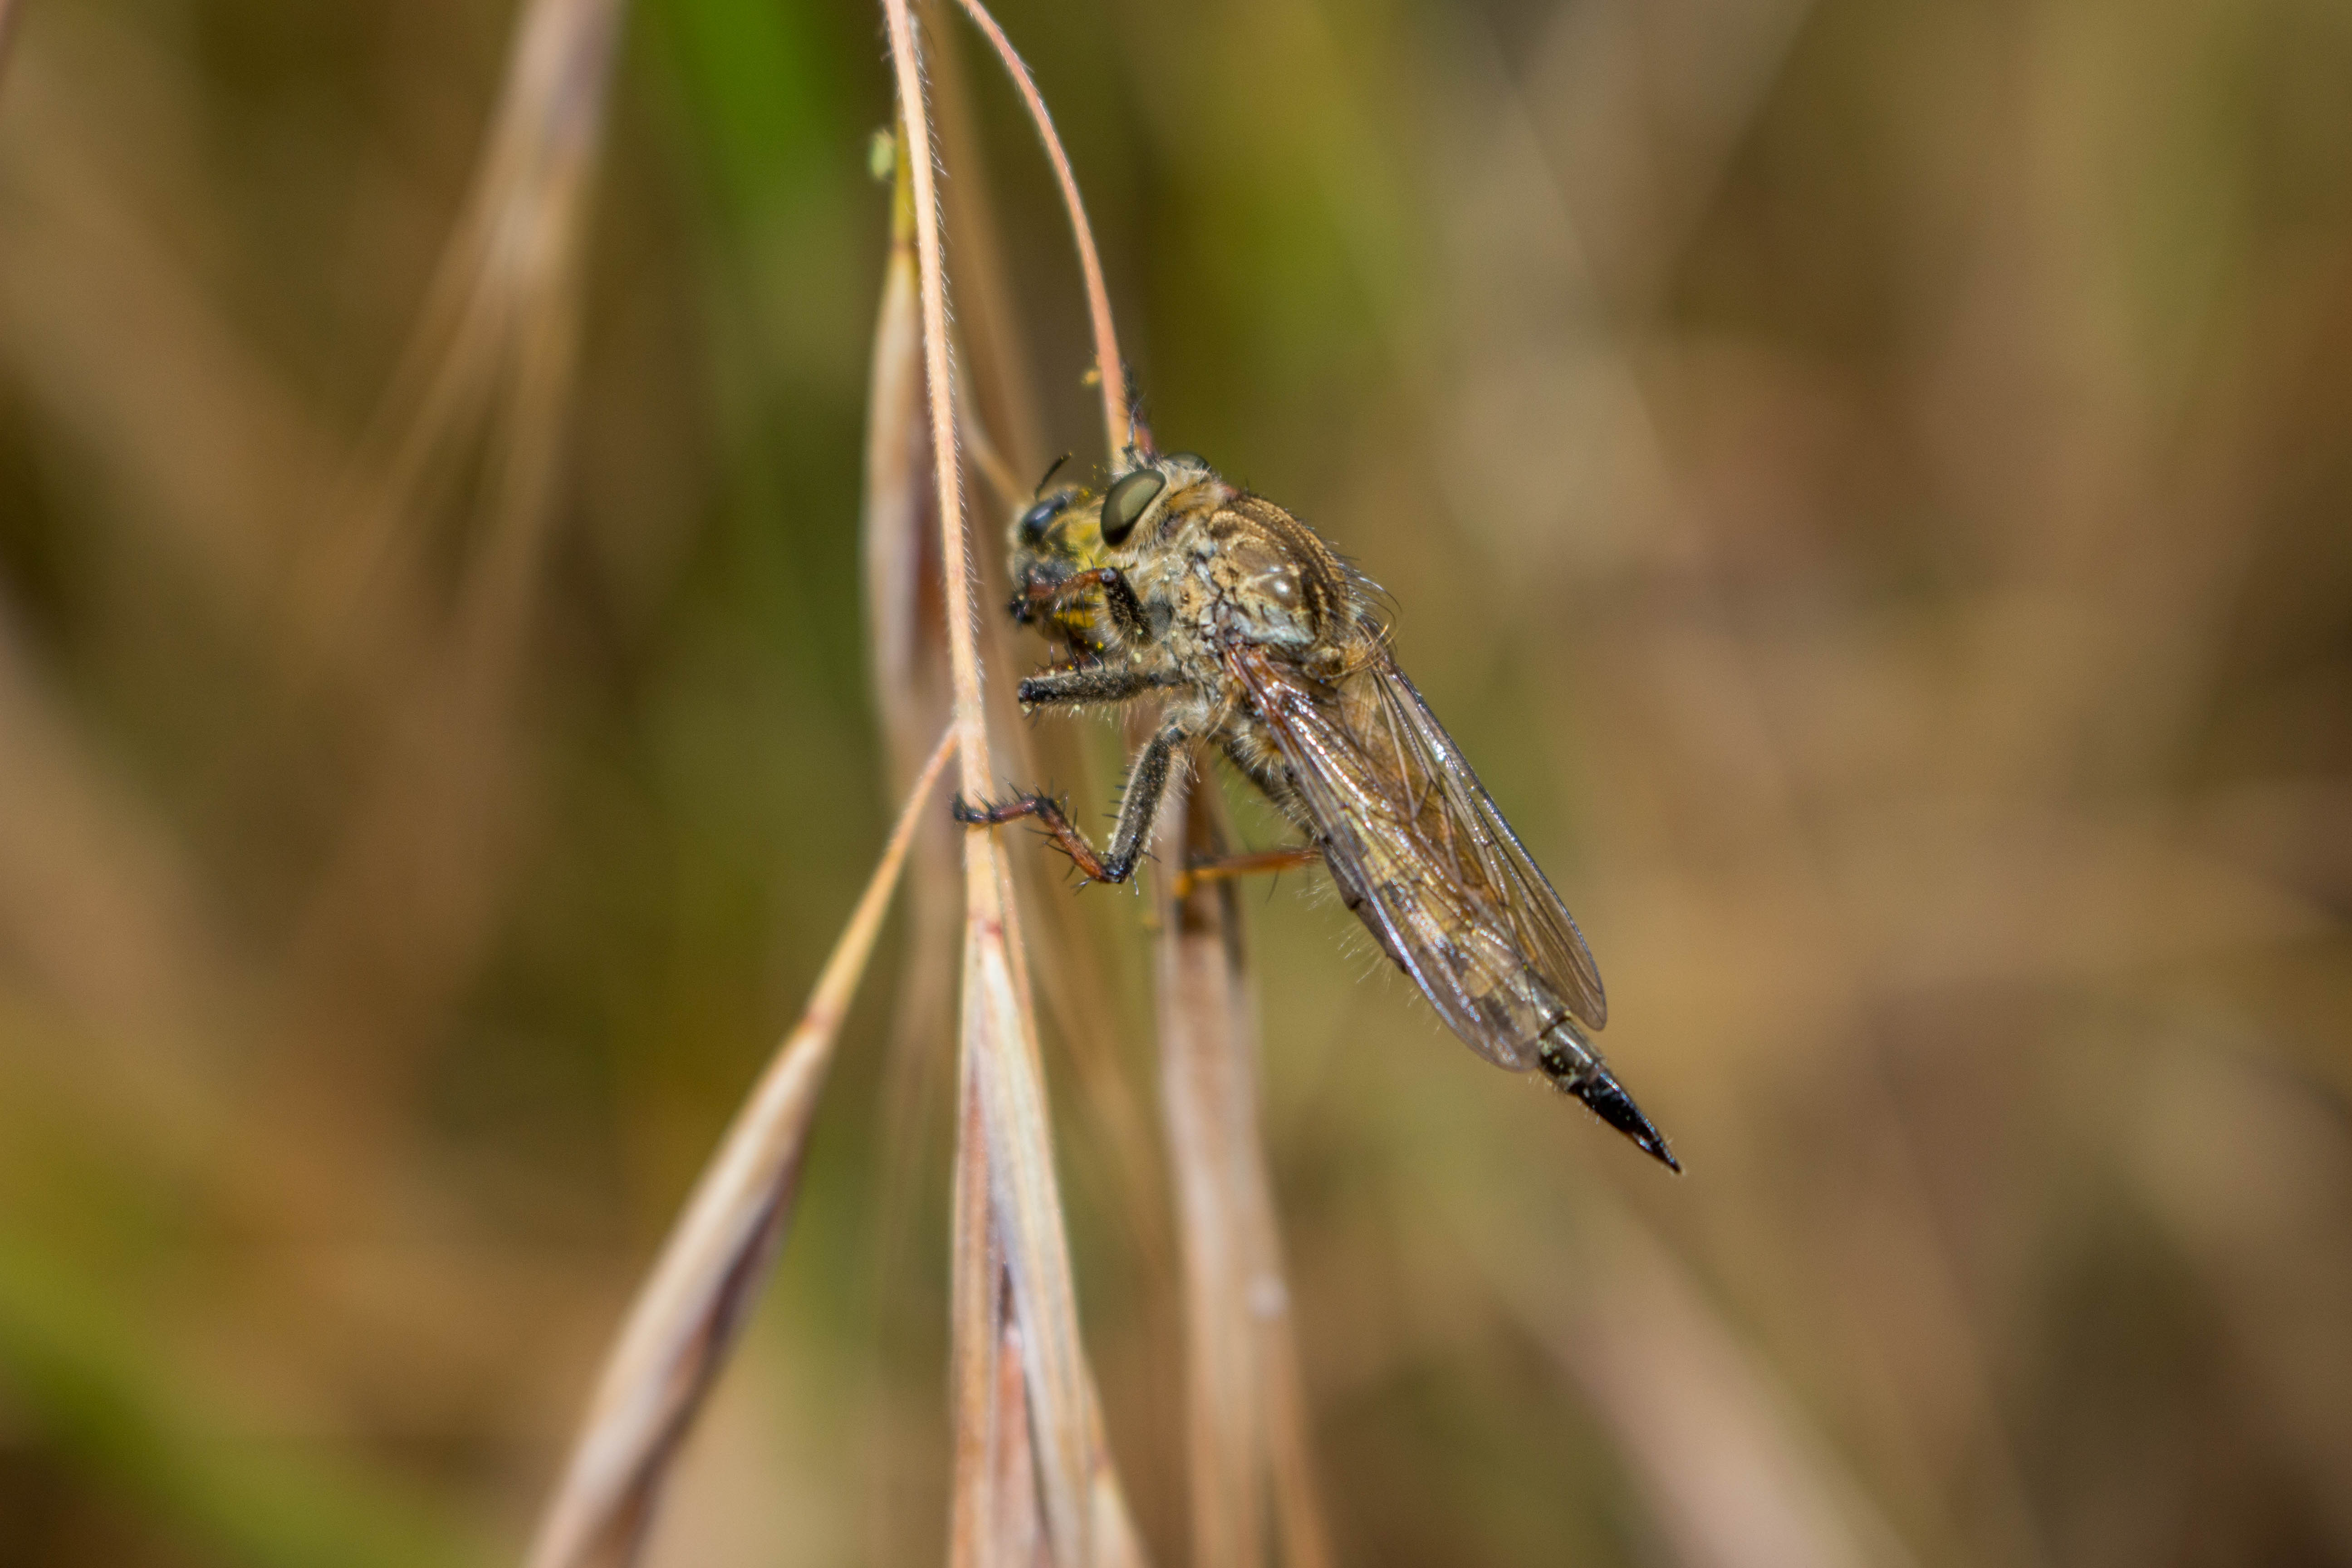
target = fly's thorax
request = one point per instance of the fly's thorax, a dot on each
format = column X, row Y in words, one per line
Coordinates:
column 1238, row 569
column 1267, row 588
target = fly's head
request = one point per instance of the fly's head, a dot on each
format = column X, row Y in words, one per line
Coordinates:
column 1072, row 532
column 1053, row 541
column 1196, row 559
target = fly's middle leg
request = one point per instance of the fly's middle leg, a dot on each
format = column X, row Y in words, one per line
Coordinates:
column 1147, row 786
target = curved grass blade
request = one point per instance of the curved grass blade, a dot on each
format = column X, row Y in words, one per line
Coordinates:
column 694, row 1301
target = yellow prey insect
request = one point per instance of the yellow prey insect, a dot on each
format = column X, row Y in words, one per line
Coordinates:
column 1258, row 638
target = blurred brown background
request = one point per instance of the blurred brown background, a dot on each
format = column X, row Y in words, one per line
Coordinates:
column 1866, row 481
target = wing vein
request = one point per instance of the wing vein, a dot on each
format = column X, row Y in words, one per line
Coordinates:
column 1481, row 932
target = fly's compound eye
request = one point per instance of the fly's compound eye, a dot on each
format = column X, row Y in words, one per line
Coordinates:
column 1039, row 518
column 1127, row 502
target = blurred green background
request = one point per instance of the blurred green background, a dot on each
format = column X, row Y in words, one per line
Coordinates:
column 1866, row 482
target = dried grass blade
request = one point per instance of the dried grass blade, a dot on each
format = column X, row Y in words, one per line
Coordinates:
column 694, row 1301
column 1245, row 1409
column 1003, row 392
column 1001, row 1417
column 907, row 651
column 994, row 397
column 1299, row 1519
column 1112, row 370
column 899, row 528
column 1020, row 1534
column 1073, row 998
column 1250, row 1409
column 1199, row 997
column 1115, row 1543
column 411, row 888
column 999, row 1038
column 1026, row 1202
column 990, row 1411
column 550, row 130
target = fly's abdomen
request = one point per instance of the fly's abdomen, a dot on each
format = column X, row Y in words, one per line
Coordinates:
column 1569, row 1060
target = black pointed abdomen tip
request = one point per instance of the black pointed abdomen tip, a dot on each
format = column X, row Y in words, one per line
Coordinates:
column 1608, row 1101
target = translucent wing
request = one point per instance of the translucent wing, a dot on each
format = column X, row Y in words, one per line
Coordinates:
column 1420, row 853
column 1548, row 933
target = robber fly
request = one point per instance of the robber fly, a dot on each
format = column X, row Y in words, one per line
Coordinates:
column 1259, row 639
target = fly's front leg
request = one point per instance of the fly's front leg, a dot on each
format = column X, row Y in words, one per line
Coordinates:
column 1081, row 688
column 1051, row 817
column 1147, row 786
column 1119, row 598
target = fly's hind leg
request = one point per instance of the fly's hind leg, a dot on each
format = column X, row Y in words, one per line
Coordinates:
column 1147, row 786
column 1260, row 768
column 1225, row 867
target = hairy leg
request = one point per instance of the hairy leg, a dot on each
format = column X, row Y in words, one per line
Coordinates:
column 1125, row 609
column 1147, row 785
column 1101, row 683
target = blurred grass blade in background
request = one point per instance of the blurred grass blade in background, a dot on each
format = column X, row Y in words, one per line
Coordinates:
column 1733, row 1478
column 495, row 346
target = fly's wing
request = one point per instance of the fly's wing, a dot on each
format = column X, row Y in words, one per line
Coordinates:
column 1546, row 930
column 1422, row 856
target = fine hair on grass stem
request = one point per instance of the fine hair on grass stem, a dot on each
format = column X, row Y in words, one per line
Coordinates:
column 1011, row 1269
